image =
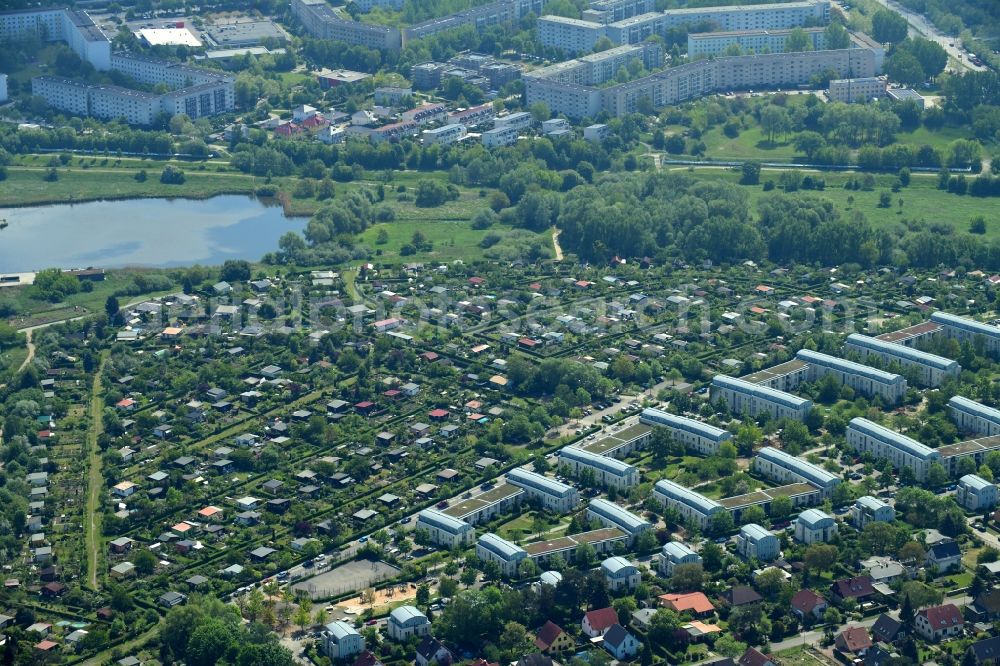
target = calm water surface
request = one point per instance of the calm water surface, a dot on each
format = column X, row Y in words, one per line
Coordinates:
column 141, row 232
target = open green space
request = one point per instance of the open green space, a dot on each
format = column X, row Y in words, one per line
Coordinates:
column 27, row 186
column 922, row 200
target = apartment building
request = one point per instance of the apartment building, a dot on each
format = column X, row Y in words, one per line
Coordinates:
column 76, row 28
column 964, row 329
column 519, row 121
column 694, row 435
column 930, row 369
column 976, row 493
column 500, row 136
column 815, row 526
column 744, row 397
column 711, row 44
column 608, row 472
column 574, row 97
column 856, row 90
column 502, row 12
column 770, row 16
column 610, row 514
column 553, row 495
column 781, row 467
column 674, row 553
column 861, row 378
column 507, row 555
column 901, row 451
column 971, row 416
column 870, row 509
column 568, row 34
column 609, row 11
column 692, row 506
column 756, row 543
column 444, row 135
column 445, row 530
column 321, row 21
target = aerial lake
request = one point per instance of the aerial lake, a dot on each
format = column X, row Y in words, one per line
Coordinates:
column 141, row 232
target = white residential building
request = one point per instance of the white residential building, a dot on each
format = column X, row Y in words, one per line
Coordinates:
column 971, row 416
column 694, row 435
column 620, row 574
column 444, row 530
column 675, row 553
column 444, row 135
column 341, row 640
column 507, row 555
column 755, row 542
column 744, row 397
column 610, row 514
column 853, row 91
column 779, row 466
column 815, row 526
column 870, row 509
column 901, row 451
column 861, row 378
column 553, row 495
column 976, row 493
column 608, row 472
column 407, row 621
column 500, row 136
column 931, row 369
column 692, row 506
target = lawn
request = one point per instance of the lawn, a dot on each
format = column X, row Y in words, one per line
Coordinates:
column 921, row 200
column 802, row 656
column 750, row 144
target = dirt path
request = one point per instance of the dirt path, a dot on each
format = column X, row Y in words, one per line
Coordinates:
column 94, row 478
column 555, row 243
column 31, row 351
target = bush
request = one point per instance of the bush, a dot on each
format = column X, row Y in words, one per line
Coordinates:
column 172, row 176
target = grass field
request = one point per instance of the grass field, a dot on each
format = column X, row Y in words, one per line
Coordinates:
column 26, row 186
column 752, row 143
column 452, row 240
column 921, row 200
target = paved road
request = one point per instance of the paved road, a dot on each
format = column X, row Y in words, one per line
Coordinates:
column 920, row 25
column 988, row 538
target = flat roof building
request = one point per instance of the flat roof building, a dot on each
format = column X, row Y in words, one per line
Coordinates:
column 694, row 435
column 856, row 90
column 976, row 449
column 784, row 468
column 485, row 506
column 507, row 555
column 692, row 506
column 610, row 514
column 553, row 495
column 602, row 541
column 711, row 44
column 901, row 451
column 861, row 378
column 445, row 530
column 930, row 369
column 743, row 397
column 608, row 472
